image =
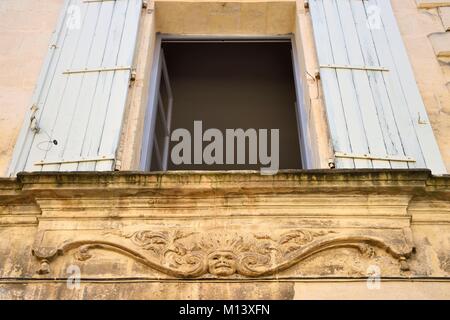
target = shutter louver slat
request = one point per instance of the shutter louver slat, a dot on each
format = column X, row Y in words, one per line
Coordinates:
column 403, row 121
column 367, row 106
column 103, row 88
column 64, row 125
column 382, row 100
column 332, row 94
column 52, row 103
column 118, row 98
column 352, row 113
column 87, row 106
column 429, row 147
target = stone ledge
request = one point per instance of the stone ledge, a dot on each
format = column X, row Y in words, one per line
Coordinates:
column 27, row 186
column 186, row 180
column 367, row 196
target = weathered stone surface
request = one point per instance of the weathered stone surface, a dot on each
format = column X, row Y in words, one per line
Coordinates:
column 235, row 228
column 302, row 290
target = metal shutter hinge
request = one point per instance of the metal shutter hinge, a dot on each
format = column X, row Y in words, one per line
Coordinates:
column 420, row 120
column 144, row 2
column 331, row 163
column 133, row 75
column 149, row 6
column 117, row 165
column 317, row 75
column 34, row 125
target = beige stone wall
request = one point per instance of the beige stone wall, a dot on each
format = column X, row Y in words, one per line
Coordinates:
column 298, row 290
column 26, row 26
column 432, row 75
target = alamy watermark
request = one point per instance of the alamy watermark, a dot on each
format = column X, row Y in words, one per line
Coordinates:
column 374, row 21
column 373, row 277
column 73, row 21
column 74, row 277
column 213, row 153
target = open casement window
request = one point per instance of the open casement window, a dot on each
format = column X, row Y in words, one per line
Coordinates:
column 225, row 83
column 78, row 105
column 161, row 135
column 376, row 116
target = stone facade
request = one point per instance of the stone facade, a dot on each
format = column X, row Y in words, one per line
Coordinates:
column 198, row 235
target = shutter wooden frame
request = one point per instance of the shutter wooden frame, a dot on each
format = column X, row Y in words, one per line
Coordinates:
column 373, row 106
column 81, row 93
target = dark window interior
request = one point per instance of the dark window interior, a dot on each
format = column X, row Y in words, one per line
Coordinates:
column 232, row 85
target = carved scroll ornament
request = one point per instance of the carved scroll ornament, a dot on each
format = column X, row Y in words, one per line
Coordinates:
column 184, row 254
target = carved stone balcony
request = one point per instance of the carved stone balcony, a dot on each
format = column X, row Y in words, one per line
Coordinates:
column 225, row 226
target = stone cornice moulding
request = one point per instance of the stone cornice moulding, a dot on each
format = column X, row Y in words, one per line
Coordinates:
column 189, row 181
column 381, row 194
column 211, row 205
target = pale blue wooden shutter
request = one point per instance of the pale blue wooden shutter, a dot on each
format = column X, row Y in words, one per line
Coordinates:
column 376, row 115
column 78, row 105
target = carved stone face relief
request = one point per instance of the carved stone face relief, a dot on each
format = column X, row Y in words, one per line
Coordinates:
column 222, row 263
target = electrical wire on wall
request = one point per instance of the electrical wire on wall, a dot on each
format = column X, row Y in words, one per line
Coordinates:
column 50, row 142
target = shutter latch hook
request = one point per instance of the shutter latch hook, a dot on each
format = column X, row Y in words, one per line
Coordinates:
column 420, row 120
column 34, row 126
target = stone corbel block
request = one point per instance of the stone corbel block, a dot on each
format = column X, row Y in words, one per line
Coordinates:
column 441, row 44
column 427, row 4
column 444, row 13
